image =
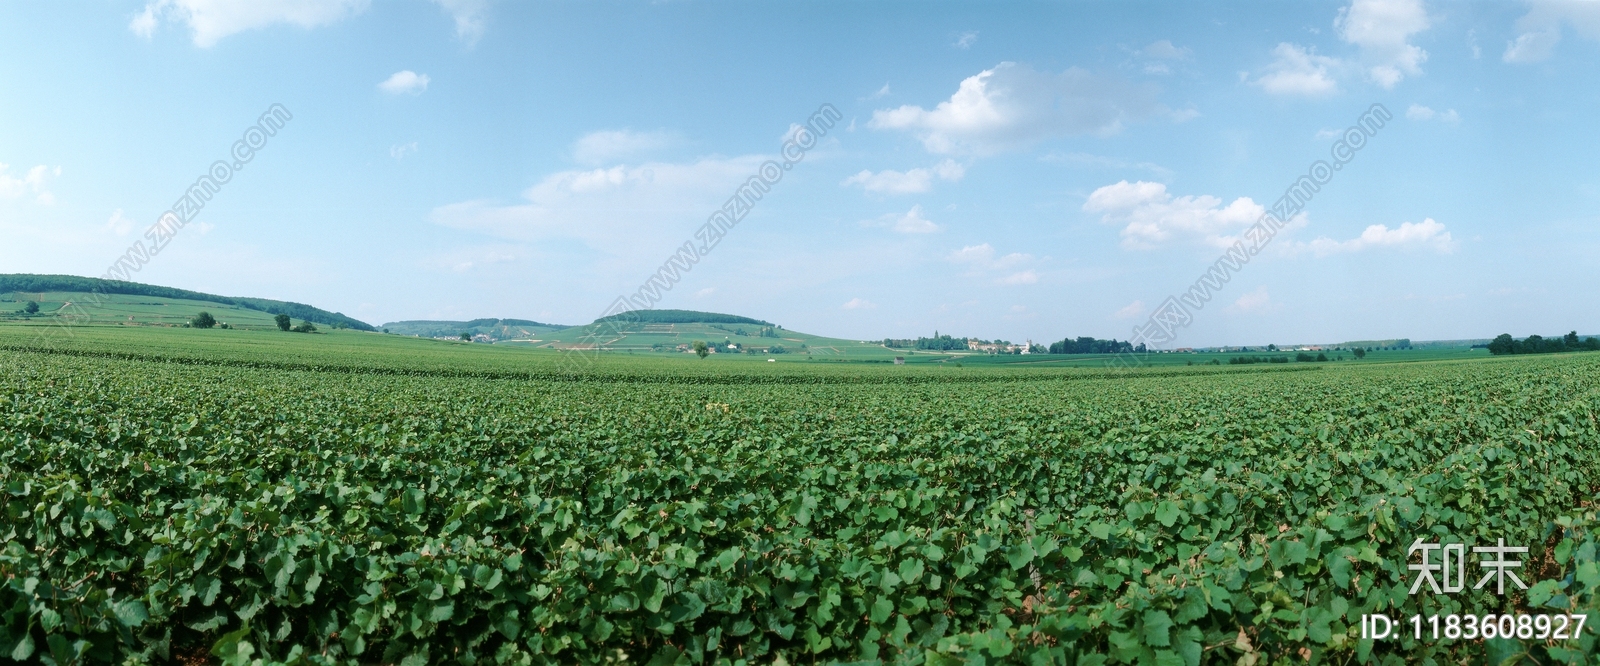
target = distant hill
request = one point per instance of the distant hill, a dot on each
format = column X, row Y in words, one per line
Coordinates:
column 26, row 283
column 679, row 317
column 495, row 329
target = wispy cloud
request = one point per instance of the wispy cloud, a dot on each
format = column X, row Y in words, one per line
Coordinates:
column 212, row 20
column 36, row 182
column 908, row 182
column 859, row 304
column 405, row 82
column 1012, row 106
column 401, row 150
column 1255, row 301
column 1131, row 311
column 1539, row 31
column 983, row 261
column 1420, row 112
column 471, row 17
column 1427, row 234
column 613, row 146
column 1297, row 70
column 966, row 39
column 910, row 222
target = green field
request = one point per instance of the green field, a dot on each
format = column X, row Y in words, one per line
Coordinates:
column 235, row 495
column 130, row 310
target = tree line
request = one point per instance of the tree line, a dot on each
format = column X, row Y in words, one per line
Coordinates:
column 935, row 343
column 1533, row 344
column 1088, row 345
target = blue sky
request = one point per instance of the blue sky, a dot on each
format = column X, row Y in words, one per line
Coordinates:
column 1003, row 170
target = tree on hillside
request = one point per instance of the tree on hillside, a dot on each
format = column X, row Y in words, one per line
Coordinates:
column 284, row 322
column 1360, row 353
column 700, row 348
column 203, row 320
column 31, row 308
column 305, row 327
column 466, row 337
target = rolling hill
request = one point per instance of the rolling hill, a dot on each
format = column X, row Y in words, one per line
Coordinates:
column 495, row 329
column 672, row 331
column 97, row 301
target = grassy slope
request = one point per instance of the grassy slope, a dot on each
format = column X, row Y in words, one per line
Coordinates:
column 123, row 309
column 497, row 329
column 26, row 286
column 640, row 338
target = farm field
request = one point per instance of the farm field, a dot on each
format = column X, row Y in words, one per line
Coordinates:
column 127, row 309
column 228, row 496
column 665, row 338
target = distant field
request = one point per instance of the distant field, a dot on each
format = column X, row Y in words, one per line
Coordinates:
column 120, row 309
column 175, row 494
column 665, row 338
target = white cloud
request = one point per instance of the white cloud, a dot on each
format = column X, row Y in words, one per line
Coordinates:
column 909, row 182
column 405, row 81
column 1255, row 301
column 211, row 20
column 1420, row 112
column 1011, row 106
column 1103, row 162
column 1382, row 29
column 1296, row 70
column 1164, row 50
column 1532, row 46
column 982, row 257
column 1151, row 215
column 859, row 304
column 618, row 210
column 882, row 92
column 466, row 259
column 400, row 151
column 966, row 39
column 471, row 17
column 1539, row 30
column 1024, row 277
column 119, row 224
column 612, row 146
column 981, row 261
column 1161, row 53
column 35, row 181
column 911, row 222
column 705, row 292
column 1427, row 234
column 1130, row 311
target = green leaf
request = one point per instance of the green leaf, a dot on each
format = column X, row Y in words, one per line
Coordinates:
column 1167, row 513
column 413, row 501
column 23, row 649
column 1157, row 628
column 1541, row 592
column 131, row 613
column 1168, row 658
column 881, row 609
